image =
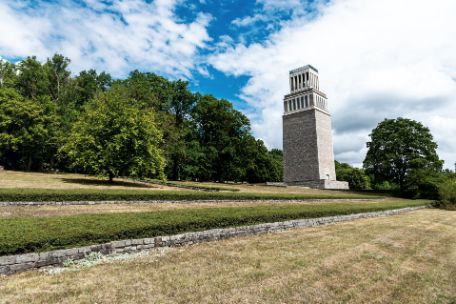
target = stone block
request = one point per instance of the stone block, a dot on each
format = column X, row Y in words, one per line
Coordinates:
column 137, row 242
column 4, row 270
column 148, row 241
column 7, row 260
column 85, row 250
column 21, row 267
column 118, row 244
column 25, row 258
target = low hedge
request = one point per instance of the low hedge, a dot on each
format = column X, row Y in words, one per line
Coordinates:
column 46, row 195
column 21, row 235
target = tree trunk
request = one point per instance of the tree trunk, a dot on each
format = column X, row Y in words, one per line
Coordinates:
column 29, row 163
column 111, row 177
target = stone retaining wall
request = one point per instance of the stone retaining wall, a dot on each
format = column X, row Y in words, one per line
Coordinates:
column 16, row 263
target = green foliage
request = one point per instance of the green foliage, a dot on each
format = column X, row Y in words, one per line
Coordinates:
column 87, row 84
column 19, row 235
column 32, row 80
column 355, row 177
column 221, row 130
column 447, row 192
column 203, row 138
column 8, row 77
column 49, row 195
column 397, row 147
column 27, row 131
column 385, row 186
column 424, row 183
column 114, row 137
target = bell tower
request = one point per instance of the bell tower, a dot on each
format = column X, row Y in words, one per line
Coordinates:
column 307, row 140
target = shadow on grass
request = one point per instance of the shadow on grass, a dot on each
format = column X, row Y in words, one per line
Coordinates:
column 100, row 182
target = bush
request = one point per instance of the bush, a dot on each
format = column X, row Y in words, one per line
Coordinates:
column 356, row 178
column 447, row 192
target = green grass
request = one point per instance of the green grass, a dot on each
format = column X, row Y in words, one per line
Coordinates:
column 46, row 195
column 20, row 235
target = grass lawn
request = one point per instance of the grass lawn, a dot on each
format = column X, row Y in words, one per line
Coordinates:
column 36, row 180
column 64, row 181
column 408, row 258
column 62, row 210
column 30, row 234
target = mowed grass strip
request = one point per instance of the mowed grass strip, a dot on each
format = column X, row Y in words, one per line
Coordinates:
column 46, row 195
column 21, row 235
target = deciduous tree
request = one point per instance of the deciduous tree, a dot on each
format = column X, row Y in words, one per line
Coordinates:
column 114, row 137
column 397, row 147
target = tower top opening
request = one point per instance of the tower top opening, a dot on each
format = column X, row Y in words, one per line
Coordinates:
column 304, row 78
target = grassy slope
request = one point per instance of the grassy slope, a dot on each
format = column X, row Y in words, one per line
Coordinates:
column 409, row 258
column 18, row 235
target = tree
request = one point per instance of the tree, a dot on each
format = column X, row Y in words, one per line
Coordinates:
column 87, row 84
column 397, row 147
column 222, row 132
column 27, row 130
column 58, row 75
column 114, row 137
column 32, row 79
column 8, row 76
column 181, row 103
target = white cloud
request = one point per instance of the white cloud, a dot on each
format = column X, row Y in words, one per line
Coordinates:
column 377, row 59
column 249, row 20
column 116, row 37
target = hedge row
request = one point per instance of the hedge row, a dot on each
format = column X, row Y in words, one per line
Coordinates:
column 46, row 195
column 20, row 235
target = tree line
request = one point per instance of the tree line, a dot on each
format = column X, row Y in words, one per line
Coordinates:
column 142, row 126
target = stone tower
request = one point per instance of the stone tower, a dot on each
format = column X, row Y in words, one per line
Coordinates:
column 307, row 141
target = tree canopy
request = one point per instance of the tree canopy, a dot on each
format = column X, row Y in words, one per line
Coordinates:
column 143, row 125
column 397, row 148
column 115, row 138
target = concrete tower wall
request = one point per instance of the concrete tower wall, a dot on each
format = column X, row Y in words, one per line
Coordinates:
column 325, row 146
column 300, row 154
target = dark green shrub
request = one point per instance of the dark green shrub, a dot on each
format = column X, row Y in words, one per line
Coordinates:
column 447, row 192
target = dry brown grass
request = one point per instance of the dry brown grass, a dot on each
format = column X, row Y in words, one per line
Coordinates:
column 18, row 179
column 58, row 210
column 410, row 258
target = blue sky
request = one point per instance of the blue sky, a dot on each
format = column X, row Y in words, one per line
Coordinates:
column 377, row 59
